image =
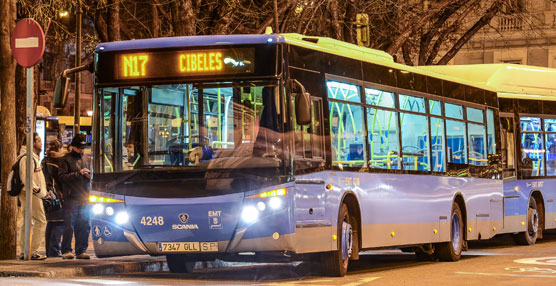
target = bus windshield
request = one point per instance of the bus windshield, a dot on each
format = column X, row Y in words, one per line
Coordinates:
column 196, row 125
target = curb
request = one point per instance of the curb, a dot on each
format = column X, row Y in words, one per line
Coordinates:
column 96, row 268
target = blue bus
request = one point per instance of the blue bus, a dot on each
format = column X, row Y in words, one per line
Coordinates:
column 527, row 101
column 285, row 147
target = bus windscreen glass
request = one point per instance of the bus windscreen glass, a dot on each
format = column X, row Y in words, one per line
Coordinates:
column 207, row 126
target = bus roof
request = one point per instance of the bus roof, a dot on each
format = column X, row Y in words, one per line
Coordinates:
column 323, row 44
column 348, row 50
column 508, row 80
column 190, row 41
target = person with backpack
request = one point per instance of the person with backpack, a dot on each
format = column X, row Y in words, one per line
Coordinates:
column 53, row 201
column 75, row 178
column 38, row 183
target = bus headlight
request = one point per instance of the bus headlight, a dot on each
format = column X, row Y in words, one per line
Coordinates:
column 122, row 218
column 249, row 214
column 109, row 211
column 97, row 209
column 275, row 203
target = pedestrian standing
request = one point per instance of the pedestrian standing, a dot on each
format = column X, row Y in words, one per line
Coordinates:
column 53, row 201
column 75, row 178
column 38, row 186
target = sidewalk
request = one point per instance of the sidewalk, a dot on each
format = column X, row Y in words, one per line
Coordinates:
column 59, row 268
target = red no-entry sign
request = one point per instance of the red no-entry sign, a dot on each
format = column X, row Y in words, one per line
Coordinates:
column 27, row 42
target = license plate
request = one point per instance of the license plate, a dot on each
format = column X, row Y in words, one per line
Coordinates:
column 194, row 246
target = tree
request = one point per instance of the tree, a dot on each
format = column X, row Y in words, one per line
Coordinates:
column 8, row 207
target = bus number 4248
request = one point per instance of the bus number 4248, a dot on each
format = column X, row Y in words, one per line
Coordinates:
column 152, row 220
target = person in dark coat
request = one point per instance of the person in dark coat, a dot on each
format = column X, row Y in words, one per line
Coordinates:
column 75, row 178
column 53, row 200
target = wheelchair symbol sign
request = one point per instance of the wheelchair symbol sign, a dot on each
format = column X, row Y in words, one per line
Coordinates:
column 107, row 231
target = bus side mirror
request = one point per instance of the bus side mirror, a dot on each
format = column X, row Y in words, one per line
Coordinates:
column 302, row 105
column 61, row 92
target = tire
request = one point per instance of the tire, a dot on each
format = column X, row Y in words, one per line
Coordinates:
column 529, row 237
column 451, row 251
column 335, row 263
column 179, row 263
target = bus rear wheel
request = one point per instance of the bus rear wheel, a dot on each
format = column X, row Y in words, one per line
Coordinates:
column 335, row 263
column 529, row 237
column 451, row 251
column 178, row 263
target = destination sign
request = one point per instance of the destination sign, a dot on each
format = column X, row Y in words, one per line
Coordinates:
column 184, row 63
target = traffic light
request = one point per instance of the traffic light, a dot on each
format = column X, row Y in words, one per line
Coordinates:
column 362, row 28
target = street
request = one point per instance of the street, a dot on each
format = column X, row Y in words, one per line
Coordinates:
column 495, row 262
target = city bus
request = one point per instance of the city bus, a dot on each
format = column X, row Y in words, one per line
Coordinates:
column 527, row 101
column 280, row 147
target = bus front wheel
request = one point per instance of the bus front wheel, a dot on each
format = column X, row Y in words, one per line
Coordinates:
column 529, row 237
column 179, row 263
column 451, row 251
column 335, row 263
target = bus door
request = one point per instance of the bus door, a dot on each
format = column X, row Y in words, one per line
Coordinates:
column 310, row 185
column 509, row 164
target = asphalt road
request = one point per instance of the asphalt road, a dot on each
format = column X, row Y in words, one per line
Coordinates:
column 495, row 262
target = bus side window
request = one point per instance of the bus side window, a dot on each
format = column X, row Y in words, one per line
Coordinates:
column 456, row 134
column 437, row 144
column 107, row 129
column 508, row 146
column 532, row 147
column 415, row 134
column 346, row 124
column 382, row 130
column 550, row 136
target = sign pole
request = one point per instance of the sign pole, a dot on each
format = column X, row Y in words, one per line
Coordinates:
column 30, row 167
column 27, row 43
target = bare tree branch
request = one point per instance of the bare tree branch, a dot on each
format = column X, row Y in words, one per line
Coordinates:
column 416, row 24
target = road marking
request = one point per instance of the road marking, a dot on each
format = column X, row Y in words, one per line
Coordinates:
column 531, row 269
column 505, row 274
column 538, row 261
column 104, row 281
column 360, row 281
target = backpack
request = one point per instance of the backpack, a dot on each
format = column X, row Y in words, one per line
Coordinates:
column 15, row 185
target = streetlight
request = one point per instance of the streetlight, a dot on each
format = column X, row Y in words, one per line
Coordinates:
column 76, row 109
column 76, row 105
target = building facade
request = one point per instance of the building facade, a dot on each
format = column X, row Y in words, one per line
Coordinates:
column 525, row 35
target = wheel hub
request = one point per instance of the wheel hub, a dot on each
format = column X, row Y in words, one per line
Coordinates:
column 347, row 240
column 534, row 221
column 456, row 235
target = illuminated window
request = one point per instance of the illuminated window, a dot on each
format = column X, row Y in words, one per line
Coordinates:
column 384, row 143
column 415, row 143
column 346, row 125
column 343, row 91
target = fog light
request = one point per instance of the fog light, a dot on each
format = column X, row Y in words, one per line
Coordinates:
column 97, row 209
column 275, row 203
column 250, row 214
column 122, row 218
column 109, row 211
column 261, row 206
